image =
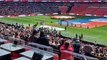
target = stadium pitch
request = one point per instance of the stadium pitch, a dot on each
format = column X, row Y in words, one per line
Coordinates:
column 98, row 34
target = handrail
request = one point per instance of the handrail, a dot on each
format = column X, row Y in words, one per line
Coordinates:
column 41, row 46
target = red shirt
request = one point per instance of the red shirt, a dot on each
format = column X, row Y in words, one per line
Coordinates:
column 66, row 55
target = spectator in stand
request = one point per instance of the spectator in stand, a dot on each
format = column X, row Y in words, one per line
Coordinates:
column 43, row 39
column 88, row 49
column 76, row 46
column 66, row 46
column 34, row 36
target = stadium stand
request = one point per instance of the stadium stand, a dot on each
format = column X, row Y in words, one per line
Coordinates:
column 57, row 43
column 19, row 40
column 29, row 8
column 89, row 9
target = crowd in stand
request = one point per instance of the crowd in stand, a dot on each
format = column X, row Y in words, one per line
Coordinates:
column 52, row 38
column 18, row 8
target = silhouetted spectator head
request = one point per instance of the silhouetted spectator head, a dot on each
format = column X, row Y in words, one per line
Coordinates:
column 66, row 45
column 37, row 56
column 42, row 34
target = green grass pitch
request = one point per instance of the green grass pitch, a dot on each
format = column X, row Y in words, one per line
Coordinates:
column 98, row 34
